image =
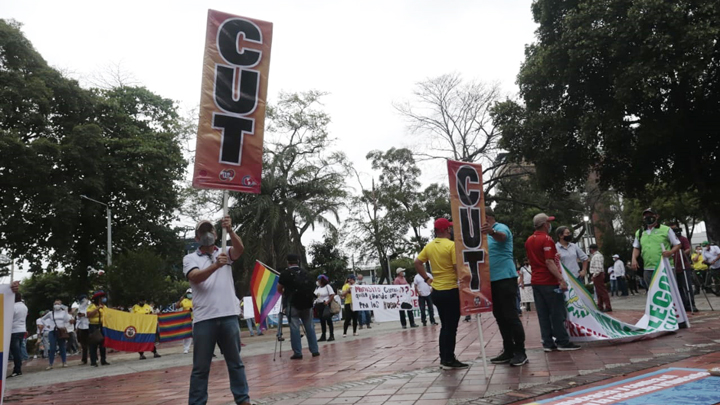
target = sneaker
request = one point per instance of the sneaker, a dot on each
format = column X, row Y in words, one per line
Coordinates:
column 64, row 365
column 519, row 359
column 49, row 368
column 261, row 334
column 14, row 375
column 322, row 339
column 331, row 338
column 414, row 326
column 344, row 334
column 104, row 363
column 369, row 327
column 568, row 347
column 433, row 323
column 156, row 355
column 503, row 358
column 404, row 327
column 453, row 365
column 360, row 327
column 316, row 354
column 296, row 357
column 186, row 351
column 142, row 357
column 356, row 334
column 550, row 349
column 93, row 364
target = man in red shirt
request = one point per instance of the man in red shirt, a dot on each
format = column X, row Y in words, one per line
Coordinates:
column 548, row 286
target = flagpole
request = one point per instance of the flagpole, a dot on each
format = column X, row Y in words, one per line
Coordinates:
column 482, row 346
column 268, row 267
column 225, row 213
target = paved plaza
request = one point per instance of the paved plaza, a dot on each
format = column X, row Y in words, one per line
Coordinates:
column 383, row 365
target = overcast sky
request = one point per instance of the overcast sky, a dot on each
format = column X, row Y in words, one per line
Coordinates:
column 366, row 55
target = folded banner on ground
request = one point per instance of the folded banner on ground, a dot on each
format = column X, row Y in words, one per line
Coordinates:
column 263, row 289
column 585, row 322
column 129, row 332
column 175, row 326
column 467, row 202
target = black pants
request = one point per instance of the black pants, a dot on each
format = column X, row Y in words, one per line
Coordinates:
column 409, row 314
column 426, row 301
column 16, row 350
column 504, row 294
column 686, row 289
column 350, row 315
column 82, row 335
column 551, row 312
column 448, row 305
column 325, row 324
column 94, row 347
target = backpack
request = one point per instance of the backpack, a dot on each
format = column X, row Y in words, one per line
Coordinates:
column 302, row 291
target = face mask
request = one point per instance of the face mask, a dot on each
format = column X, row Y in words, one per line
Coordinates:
column 317, row 283
column 649, row 220
column 57, row 307
column 208, row 239
column 678, row 231
column 567, row 238
column 83, row 301
column 104, row 300
column 189, row 296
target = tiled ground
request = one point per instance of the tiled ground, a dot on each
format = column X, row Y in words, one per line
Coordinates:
column 399, row 367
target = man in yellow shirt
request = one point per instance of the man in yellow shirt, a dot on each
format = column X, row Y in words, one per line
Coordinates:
column 94, row 314
column 440, row 252
column 700, row 268
column 350, row 315
column 185, row 304
column 143, row 308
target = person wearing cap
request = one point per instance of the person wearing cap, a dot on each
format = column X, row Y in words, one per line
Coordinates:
column 619, row 271
column 215, row 315
column 349, row 314
column 325, row 294
column 440, row 253
column 400, row 280
column 504, row 287
column 95, row 312
column 653, row 242
column 570, row 253
column 185, row 304
column 711, row 257
column 297, row 287
column 548, row 285
column 82, row 324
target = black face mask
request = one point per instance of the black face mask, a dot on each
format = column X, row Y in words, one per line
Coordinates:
column 649, row 220
column 567, row 238
column 677, row 231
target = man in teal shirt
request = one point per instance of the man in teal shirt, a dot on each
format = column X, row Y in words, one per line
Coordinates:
column 503, row 284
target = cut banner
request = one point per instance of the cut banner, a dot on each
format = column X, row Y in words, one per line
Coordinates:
column 175, row 326
column 467, row 202
column 129, row 332
column 663, row 311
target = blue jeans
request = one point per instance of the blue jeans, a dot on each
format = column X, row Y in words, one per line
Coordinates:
column 250, row 323
column 16, row 351
column 225, row 332
column 306, row 317
column 364, row 318
column 426, row 301
column 54, row 344
column 551, row 314
column 613, row 287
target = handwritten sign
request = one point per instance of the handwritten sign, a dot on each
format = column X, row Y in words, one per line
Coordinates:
column 385, row 297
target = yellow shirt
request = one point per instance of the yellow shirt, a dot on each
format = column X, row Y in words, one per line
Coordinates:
column 94, row 320
column 145, row 309
column 440, row 252
column 348, row 297
column 697, row 262
column 186, row 304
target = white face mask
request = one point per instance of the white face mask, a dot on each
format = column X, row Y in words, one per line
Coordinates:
column 57, row 307
column 208, row 239
column 83, row 301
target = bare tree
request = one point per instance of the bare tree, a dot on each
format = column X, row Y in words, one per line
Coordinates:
column 453, row 116
column 112, row 75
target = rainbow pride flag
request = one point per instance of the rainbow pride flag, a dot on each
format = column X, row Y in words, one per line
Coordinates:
column 175, row 326
column 263, row 289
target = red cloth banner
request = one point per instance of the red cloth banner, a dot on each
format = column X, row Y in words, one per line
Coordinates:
column 471, row 249
column 229, row 147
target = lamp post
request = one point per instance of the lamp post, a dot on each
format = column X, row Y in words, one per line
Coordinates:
column 589, row 237
column 109, row 228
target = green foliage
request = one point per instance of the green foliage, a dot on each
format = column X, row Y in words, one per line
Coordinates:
column 59, row 141
column 40, row 292
column 328, row 259
column 624, row 89
column 144, row 275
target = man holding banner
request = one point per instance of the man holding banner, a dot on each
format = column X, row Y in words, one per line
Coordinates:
column 215, row 315
column 440, row 252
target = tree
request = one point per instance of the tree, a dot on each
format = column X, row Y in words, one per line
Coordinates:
column 40, row 292
column 59, row 141
column 453, row 116
column 627, row 90
column 328, row 259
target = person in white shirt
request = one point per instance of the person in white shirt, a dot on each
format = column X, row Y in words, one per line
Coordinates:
column 711, row 257
column 613, row 281
column 423, row 291
column 571, row 253
column 619, row 271
column 215, row 313
column 324, row 293
column 17, row 335
column 82, row 326
column 524, row 281
column 54, row 321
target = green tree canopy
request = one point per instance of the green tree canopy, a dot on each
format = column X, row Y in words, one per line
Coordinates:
column 629, row 90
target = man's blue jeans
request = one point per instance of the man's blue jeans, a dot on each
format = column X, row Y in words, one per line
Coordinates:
column 364, row 318
column 225, row 332
column 551, row 313
column 305, row 316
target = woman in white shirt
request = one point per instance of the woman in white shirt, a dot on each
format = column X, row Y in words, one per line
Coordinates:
column 324, row 294
column 526, row 292
column 55, row 319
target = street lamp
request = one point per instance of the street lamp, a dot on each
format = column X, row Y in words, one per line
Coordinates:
column 109, row 228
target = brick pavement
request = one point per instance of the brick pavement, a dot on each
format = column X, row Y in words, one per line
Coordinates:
column 398, row 367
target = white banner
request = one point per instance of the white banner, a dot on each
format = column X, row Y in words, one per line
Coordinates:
column 248, row 308
column 380, row 297
column 663, row 311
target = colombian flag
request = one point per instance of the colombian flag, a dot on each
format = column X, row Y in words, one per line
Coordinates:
column 263, row 288
column 175, row 326
column 129, row 332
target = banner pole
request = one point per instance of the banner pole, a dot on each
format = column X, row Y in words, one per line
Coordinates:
column 225, row 212
column 482, row 346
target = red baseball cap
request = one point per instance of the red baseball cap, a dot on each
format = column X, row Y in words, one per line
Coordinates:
column 442, row 224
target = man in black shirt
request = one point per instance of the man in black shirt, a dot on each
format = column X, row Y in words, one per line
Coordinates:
column 298, row 291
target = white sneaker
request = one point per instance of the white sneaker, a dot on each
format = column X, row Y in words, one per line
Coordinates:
column 356, row 334
column 49, row 368
column 185, row 352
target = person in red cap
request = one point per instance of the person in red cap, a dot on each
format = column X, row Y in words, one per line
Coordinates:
column 548, row 286
column 440, row 252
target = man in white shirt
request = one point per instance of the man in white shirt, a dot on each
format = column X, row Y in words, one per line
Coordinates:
column 423, row 291
column 597, row 272
column 711, row 257
column 19, row 328
column 215, row 315
column 619, row 270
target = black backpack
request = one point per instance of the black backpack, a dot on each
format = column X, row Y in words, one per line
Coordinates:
column 302, row 291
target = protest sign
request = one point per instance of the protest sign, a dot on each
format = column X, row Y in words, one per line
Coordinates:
column 468, row 213
column 228, row 153
column 390, row 297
